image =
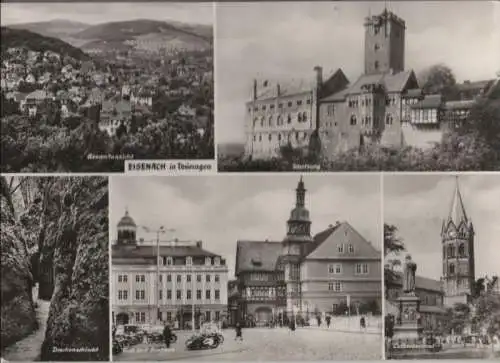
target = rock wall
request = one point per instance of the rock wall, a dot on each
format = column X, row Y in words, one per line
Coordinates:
column 18, row 317
column 74, row 240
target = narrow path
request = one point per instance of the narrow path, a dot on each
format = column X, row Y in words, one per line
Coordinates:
column 28, row 348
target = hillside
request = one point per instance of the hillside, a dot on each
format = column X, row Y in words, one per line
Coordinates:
column 144, row 33
column 54, row 28
column 19, row 38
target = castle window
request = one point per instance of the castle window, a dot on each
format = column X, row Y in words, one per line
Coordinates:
column 280, row 105
column 263, row 107
column 254, row 137
column 290, row 104
column 376, row 30
column 249, row 110
column 340, row 248
column 308, row 102
column 296, row 135
column 304, row 117
column 376, row 47
column 260, row 137
column 289, row 119
column 388, row 119
column 376, row 64
column 271, row 107
column 279, row 137
column 461, row 250
column 189, row 260
column 452, row 269
column 299, row 102
column 270, row 137
column 169, row 261
column 270, row 121
column 330, row 110
column 353, row 120
column 351, row 248
column 299, row 117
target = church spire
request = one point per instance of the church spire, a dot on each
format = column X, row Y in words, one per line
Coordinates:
column 300, row 193
column 457, row 213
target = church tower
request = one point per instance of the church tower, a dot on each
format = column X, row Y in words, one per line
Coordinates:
column 294, row 245
column 457, row 238
column 384, row 43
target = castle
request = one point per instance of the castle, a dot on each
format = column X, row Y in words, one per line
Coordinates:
column 384, row 105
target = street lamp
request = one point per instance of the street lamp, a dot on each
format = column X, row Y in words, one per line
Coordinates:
column 158, row 231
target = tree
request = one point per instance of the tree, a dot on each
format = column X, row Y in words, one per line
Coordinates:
column 438, row 78
column 457, row 318
column 393, row 245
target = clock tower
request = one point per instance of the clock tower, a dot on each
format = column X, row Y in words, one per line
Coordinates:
column 294, row 244
column 457, row 236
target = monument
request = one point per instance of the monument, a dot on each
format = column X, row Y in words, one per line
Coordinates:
column 408, row 325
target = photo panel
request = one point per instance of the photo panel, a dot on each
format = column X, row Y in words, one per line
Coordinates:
column 55, row 269
column 441, row 267
column 357, row 86
column 246, row 267
column 94, row 88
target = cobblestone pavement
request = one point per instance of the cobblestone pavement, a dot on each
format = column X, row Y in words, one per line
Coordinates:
column 28, row 348
column 273, row 345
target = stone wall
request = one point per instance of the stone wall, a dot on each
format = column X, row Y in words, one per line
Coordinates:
column 76, row 243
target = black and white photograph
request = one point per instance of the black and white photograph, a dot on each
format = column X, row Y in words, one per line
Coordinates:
column 442, row 294
column 358, row 86
column 87, row 86
column 55, row 269
column 247, row 268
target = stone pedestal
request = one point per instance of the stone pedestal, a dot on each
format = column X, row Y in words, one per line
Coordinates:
column 408, row 326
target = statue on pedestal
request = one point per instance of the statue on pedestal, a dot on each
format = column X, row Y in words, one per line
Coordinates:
column 410, row 269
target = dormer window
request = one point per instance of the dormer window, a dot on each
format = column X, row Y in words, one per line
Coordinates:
column 169, row 261
column 189, row 260
column 217, row 261
column 340, row 248
column 256, row 262
column 208, row 261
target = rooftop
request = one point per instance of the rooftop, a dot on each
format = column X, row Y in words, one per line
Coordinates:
column 429, row 101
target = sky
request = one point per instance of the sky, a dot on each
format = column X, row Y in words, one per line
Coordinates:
column 287, row 40
column 221, row 209
column 417, row 205
column 92, row 13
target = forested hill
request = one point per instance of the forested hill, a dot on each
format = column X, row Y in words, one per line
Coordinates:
column 20, row 38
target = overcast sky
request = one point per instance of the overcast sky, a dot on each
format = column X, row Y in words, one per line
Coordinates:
column 219, row 210
column 286, row 40
column 417, row 205
column 92, row 13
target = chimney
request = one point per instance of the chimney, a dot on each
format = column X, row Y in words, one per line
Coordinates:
column 254, row 91
column 278, row 90
column 319, row 76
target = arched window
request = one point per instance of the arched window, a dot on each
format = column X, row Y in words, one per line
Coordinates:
column 262, row 121
column 304, row 117
column 299, row 117
column 289, row 119
column 353, row 120
column 450, row 251
column 461, row 250
column 388, row 119
column 270, row 137
column 452, row 269
column 270, row 121
column 376, row 64
column 279, row 137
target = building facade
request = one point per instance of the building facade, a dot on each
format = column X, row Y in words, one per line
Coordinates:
column 305, row 275
column 190, row 281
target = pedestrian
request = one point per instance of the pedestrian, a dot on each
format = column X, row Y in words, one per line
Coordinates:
column 292, row 325
column 318, row 319
column 362, row 323
column 167, row 335
column 328, row 320
column 239, row 335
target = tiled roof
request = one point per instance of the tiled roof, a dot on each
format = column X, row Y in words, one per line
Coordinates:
column 459, row 105
column 327, row 243
column 267, row 89
column 415, row 92
column 477, row 85
column 392, row 82
column 339, row 96
column 430, row 101
column 130, row 252
column 423, row 283
column 257, row 255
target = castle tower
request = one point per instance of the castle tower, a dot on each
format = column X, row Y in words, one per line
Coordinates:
column 384, row 43
column 126, row 230
column 457, row 238
column 298, row 235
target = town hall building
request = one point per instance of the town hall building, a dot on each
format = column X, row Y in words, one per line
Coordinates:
column 303, row 274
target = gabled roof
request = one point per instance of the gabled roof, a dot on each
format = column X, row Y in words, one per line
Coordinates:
column 267, row 89
column 327, row 242
column 257, row 255
column 392, row 82
column 477, row 85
